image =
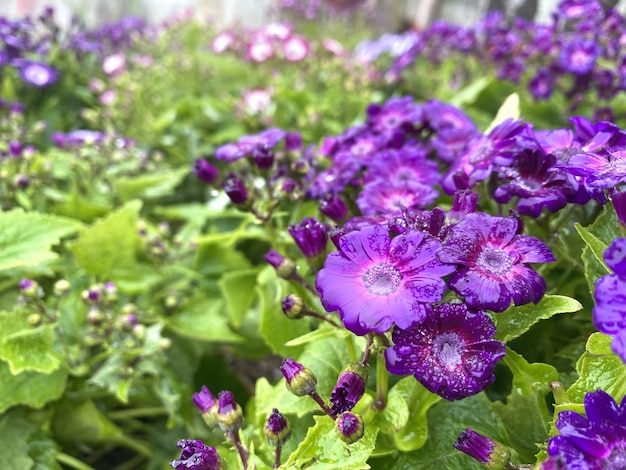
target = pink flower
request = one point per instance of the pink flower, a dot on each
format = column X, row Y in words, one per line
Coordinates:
column 295, row 48
column 222, row 41
column 114, row 64
column 260, row 49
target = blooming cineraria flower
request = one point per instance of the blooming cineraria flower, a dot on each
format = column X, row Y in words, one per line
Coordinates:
column 600, row 171
column 609, row 313
column 375, row 281
column 245, row 145
column 396, row 116
column 578, row 56
column 408, row 163
column 390, row 197
column 452, row 352
column 38, row 74
column 295, row 48
column 594, row 442
column 195, row 455
column 493, row 262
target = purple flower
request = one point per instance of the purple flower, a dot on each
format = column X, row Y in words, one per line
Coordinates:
column 542, row 84
column 534, row 180
column 591, row 442
column 600, row 171
column 493, row 262
column 332, row 206
column 295, row 48
column 38, row 74
column 618, row 198
column 578, row 56
column 311, row 236
column 205, row 171
column 349, row 389
column 195, row 455
column 452, row 352
column 375, row 282
column 229, row 413
column 246, row 144
column 204, row 400
column 235, row 189
column 396, row 116
column 609, row 313
column 490, row 453
column 407, row 164
column 388, row 198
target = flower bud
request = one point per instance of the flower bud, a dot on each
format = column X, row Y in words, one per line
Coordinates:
column 61, row 288
column 195, row 455
column 110, row 292
column 235, row 189
column 492, row 454
column 205, row 171
column 34, row 319
column 350, row 427
column 263, row 157
column 229, row 413
column 285, row 268
column 332, row 206
column 129, row 309
column 207, row 404
column 311, row 236
column 139, row 331
column 95, row 316
column 92, row 295
column 277, row 429
column 349, row 389
column 293, row 306
column 30, row 289
column 300, row 380
column 165, row 344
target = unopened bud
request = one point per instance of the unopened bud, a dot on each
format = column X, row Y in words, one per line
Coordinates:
column 229, row 413
column 300, row 380
column 492, row 454
column 95, row 316
column 285, row 267
column 293, row 306
column 30, row 289
column 277, row 429
column 207, row 404
column 34, row 319
column 61, row 288
column 350, row 427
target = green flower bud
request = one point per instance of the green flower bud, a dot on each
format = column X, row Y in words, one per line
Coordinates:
column 229, row 413
column 277, row 429
column 61, row 288
column 300, row 380
column 293, row 306
column 350, row 427
column 34, row 319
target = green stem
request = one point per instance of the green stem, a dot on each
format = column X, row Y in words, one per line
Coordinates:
column 351, row 349
column 134, row 444
column 138, row 413
column 72, row 462
column 382, row 385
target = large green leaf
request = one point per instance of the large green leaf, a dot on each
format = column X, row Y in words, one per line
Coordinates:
column 30, row 388
column 82, row 422
column 599, row 367
column 110, row 244
column 238, row 291
column 413, row 434
column 15, row 431
column 515, row 321
column 322, row 449
column 204, row 320
column 149, row 186
column 25, row 347
column 26, row 238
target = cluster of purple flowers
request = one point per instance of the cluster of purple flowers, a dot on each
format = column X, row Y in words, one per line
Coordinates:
column 580, row 52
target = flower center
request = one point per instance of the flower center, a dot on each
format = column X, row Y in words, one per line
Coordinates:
column 448, row 349
column 382, row 279
column 494, row 260
column 617, row 459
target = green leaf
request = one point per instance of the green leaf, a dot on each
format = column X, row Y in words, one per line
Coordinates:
column 597, row 246
column 26, row 238
column 508, row 110
column 275, row 328
column 599, row 367
column 25, row 347
column 149, row 186
column 530, row 386
column 321, row 333
column 15, row 431
column 238, row 291
column 515, row 321
column 418, row 401
column 469, row 94
column 395, row 415
column 446, row 421
column 322, row 449
column 110, row 244
column 30, row 388
column 203, row 320
column 82, row 422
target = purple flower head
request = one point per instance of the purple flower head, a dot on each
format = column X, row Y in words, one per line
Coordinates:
column 600, row 171
column 38, row 74
column 490, row 453
column 481, row 154
column 577, row 9
column 311, row 236
column 293, row 306
column 260, row 48
column 350, row 427
column 578, row 56
column 205, row 171
column 375, row 281
column 332, row 206
column 222, row 41
column 609, row 313
column 349, row 389
column 263, row 157
column 77, row 138
column 388, row 198
column 407, row 164
column 195, row 455
column 452, row 352
column 300, row 380
column 542, row 84
column 277, row 429
column 235, row 189
column 493, row 262
column 246, row 145
column 593, row 442
column 204, row 399
column 431, row 222
column 396, row 116
column 536, row 183
column 229, row 413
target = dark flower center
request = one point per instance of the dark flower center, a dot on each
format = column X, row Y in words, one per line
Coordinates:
column 495, row 260
column 382, row 279
column 448, row 349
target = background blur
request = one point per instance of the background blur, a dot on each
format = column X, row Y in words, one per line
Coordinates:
column 398, row 14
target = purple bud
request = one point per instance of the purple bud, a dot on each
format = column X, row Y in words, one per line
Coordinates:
column 332, row 206
column 263, row 157
column 15, row 148
column 285, row 268
column 277, row 430
column 293, row 141
column 29, row 288
column 349, row 389
column 300, row 380
column 229, row 413
column 235, row 189
column 205, row 171
column 204, row 399
column 311, row 236
column 195, row 455
column 293, row 306
column 350, row 427
column 465, row 202
column 490, row 453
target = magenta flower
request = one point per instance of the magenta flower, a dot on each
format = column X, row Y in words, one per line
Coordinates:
column 452, row 352
column 389, row 198
column 493, row 262
column 38, row 74
column 594, row 442
column 488, row 452
column 295, row 48
column 600, row 171
column 195, row 455
column 375, row 281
